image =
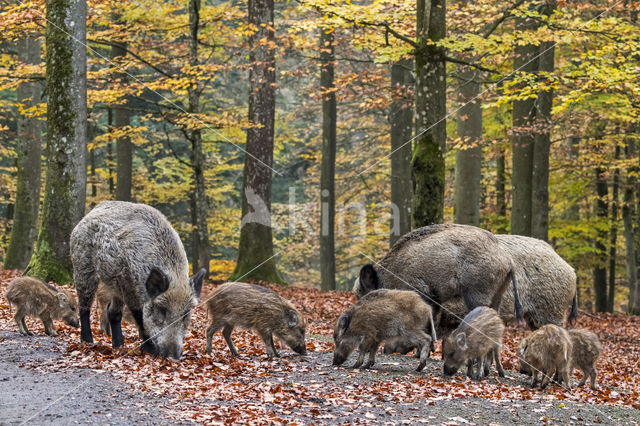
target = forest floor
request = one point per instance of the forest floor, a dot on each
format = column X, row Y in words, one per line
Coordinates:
column 57, row 380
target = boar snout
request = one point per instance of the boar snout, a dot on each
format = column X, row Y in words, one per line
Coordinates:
column 449, row 370
column 72, row 321
column 338, row 358
column 302, row 350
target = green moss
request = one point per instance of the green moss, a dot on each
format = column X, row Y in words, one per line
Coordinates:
column 45, row 266
column 428, row 174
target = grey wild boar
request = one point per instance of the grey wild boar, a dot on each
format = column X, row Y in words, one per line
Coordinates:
column 545, row 352
column 383, row 315
column 585, row 353
column 477, row 338
column 103, row 297
column 546, row 288
column 34, row 298
column 444, row 262
column 254, row 307
column 133, row 250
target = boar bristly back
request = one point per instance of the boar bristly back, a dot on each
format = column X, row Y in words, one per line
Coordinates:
column 133, row 250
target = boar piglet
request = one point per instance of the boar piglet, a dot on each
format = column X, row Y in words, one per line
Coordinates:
column 545, row 352
column 585, row 352
column 383, row 316
column 103, row 297
column 254, row 307
column 134, row 251
column 477, row 338
column 34, row 298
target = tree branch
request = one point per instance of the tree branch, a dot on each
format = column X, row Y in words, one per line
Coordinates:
column 470, row 64
column 135, row 55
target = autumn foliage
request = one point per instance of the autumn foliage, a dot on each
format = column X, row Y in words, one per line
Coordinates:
column 308, row 389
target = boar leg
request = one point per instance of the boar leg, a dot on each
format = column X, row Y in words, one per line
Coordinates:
column 114, row 311
column 496, row 358
column 470, row 369
column 226, row 332
column 104, row 322
column 267, row 338
column 362, row 350
column 211, row 330
column 372, row 355
column 86, row 284
column 22, row 326
column 593, row 378
column 48, row 326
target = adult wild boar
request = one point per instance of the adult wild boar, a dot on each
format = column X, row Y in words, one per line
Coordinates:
column 34, row 298
column 254, row 307
column 133, row 250
column 546, row 287
column 383, row 315
column 477, row 338
column 444, row 262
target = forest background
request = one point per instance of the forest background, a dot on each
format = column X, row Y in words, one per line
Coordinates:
column 519, row 117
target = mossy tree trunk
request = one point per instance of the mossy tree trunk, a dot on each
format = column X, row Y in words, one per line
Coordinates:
column 600, row 271
column 501, row 194
column 29, row 151
column 468, row 171
column 628, row 214
column 256, row 258
column 122, row 118
column 401, row 121
column 328, row 166
column 199, row 203
column 542, row 143
column 65, row 187
column 427, row 162
column 524, row 114
column 613, row 234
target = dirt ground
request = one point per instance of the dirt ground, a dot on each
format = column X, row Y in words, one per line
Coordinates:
column 81, row 395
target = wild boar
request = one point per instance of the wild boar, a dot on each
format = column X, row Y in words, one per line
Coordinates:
column 103, row 297
column 133, row 250
column 382, row 315
column 477, row 338
column 254, row 307
column 34, row 298
column 585, row 353
column 546, row 351
column 443, row 262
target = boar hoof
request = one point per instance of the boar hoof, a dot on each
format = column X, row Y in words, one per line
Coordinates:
column 367, row 365
column 421, row 366
column 501, row 374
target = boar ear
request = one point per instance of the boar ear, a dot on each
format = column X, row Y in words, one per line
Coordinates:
column 343, row 324
column 62, row 299
column 461, row 341
column 196, row 282
column 157, row 283
column 292, row 317
column 369, row 279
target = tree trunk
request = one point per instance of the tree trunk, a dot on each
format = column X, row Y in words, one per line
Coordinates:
column 200, row 204
column 524, row 113
column 65, row 187
column 628, row 214
column 542, row 144
column 573, row 212
column 600, row 272
column 124, row 149
column 327, row 172
column 468, row 171
column 110, row 154
column 401, row 120
column 613, row 235
column 255, row 253
column 501, row 195
column 29, row 151
column 427, row 163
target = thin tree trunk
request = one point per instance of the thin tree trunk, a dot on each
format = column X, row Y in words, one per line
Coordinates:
column 197, row 156
column 524, row 113
column 613, row 235
column 124, row 149
column 65, row 188
column 427, row 163
column 600, row 272
column 542, row 144
column 501, row 196
column 468, row 171
column 401, row 120
column 628, row 214
column 29, row 151
column 327, row 172
column 255, row 253
column 110, row 159
column 573, row 212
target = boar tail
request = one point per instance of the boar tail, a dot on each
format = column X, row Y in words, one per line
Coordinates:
column 573, row 315
column 516, row 301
